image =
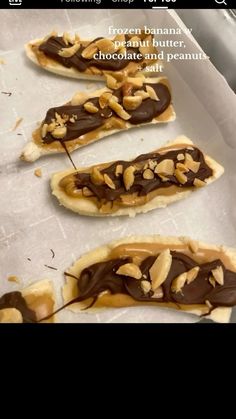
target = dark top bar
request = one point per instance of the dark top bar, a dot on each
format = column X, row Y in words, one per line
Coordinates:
column 117, row 4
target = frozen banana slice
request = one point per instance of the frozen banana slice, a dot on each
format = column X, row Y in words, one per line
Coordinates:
column 70, row 56
column 150, row 181
column 177, row 273
column 89, row 117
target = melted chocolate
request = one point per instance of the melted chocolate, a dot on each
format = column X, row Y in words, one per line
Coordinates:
column 54, row 44
column 102, row 277
column 87, row 122
column 15, row 300
column 142, row 186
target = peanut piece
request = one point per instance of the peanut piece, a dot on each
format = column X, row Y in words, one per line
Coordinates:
column 131, row 103
column 89, row 51
column 69, row 52
column 218, row 275
column 130, row 269
column 90, row 107
column 148, row 174
column 160, row 269
column 96, row 176
column 165, row 167
column 128, row 177
column 109, row 182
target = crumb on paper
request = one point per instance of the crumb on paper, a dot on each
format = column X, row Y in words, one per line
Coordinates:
column 51, row 267
column 2, row 61
column 19, row 133
column 7, row 93
column 89, row 86
column 13, row 278
column 53, row 253
column 29, row 259
column 18, row 122
column 38, row 172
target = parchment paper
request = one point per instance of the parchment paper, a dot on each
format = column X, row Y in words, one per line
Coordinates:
column 31, row 221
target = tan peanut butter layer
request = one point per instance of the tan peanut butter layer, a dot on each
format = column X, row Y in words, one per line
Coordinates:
column 112, row 187
column 124, row 54
column 29, row 305
column 125, row 103
column 169, row 272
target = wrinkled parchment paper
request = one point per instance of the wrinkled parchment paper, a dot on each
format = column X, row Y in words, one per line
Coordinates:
column 31, row 221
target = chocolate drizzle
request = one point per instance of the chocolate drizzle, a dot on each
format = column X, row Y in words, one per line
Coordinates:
column 142, row 186
column 16, row 300
column 54, row 44
column 101, row 277
column 87, row 122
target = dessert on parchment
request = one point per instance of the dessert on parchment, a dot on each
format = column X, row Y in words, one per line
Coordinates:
column 88, row 117
column 178, row 273
column 72, row 57
column 149, row 181
column 29, row 305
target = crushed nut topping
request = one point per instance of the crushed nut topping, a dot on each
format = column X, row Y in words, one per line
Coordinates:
column 96, row 176
column 180, row 176
column 151, row 164
column 152, row 93
column 148, row 174
column 69, row 52
column 192, row 274
column 52, row 126
column 146, row 286
column 111, row 82
column 136, row 81
column 199, row 183
column 128, row 177
column 212, row 281
column 134, row 41
column 163, row 178
column 118, row 109
column 131, row 103
column 179, row 282
column 218, row 275
column 44, row 130
column 144, row 95
column 165, row 167
column 109, row 182
column 148, row 48
column 158, row 293
column 160, row 269
column 106, row 46
column 182, row 168
column 89, row 51
column 67, row 38
column 59, row 132
column 127, row 89
column 104, row 99
column 119, row 170
column 86, row 191
column 130, row 269
column 191, row 164
column 180, row 156
column 90, row 107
